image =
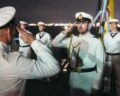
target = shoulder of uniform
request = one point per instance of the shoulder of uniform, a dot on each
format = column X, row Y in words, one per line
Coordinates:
column 118, row 32
column 37, row 33
column 106, row 35
column 47, row 33
column 71, row 35
column 98, row 41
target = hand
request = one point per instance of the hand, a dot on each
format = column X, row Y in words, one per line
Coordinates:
column 26, row 37
column 70, row 28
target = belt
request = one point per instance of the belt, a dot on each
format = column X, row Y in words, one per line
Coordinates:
column 113, row 53
column 78, row 69
column 25, row 46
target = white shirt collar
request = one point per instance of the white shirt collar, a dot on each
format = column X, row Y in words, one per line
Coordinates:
column 42, row 32
column 87, row 35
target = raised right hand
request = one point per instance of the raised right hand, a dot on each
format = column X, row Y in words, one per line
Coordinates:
column 69, row 28
column 26, row 37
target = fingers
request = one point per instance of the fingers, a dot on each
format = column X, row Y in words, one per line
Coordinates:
column 72, row 25
column 22, row 32
column 25, row 36
column 19, row 30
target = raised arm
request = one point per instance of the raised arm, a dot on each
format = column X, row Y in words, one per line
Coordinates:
column 61, row 40
column 45, row 65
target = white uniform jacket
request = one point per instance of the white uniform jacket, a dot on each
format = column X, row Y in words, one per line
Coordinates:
column 112, row 43
column 45, row 38
column 91, row 53
column 15, row 69
column 24, row 48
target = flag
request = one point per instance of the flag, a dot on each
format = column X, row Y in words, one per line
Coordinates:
column 111, row 8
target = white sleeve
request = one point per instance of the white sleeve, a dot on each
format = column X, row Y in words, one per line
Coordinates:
column 45, row 65
column 60, row 41
column 100, row 63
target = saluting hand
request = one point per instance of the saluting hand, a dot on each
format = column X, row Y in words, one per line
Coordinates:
column 26, row 37
column 70, row 28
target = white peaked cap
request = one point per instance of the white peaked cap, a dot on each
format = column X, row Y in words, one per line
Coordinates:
column 113, row 20
column 6, row 15
column 41, row 23
column 84, row 15
column 23, row 22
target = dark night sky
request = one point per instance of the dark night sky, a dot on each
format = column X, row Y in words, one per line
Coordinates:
column 53, row 10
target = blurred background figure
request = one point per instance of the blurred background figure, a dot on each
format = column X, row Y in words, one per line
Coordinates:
column 112, row 48
column 43, row 36
column 24, row 48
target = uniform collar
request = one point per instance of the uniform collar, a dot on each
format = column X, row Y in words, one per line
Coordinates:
column 3, row 47
column 87, row 35
column 42, row 32
column 113, row 34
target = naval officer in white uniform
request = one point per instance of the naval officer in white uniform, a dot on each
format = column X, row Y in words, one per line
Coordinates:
column 43, row 36
column 24, row 48
column 86, row 54
column 15, row 68
column 112, row 48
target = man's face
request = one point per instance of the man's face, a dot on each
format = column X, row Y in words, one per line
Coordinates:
column 113, row 26
column 82, row 27
column 23, row 26
column 41, row 27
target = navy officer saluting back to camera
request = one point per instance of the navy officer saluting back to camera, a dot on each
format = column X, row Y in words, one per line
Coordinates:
column 14, row 68
column 86, row 54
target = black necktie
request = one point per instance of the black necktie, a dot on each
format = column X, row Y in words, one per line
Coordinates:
column 41, row 35
column 113, row 34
